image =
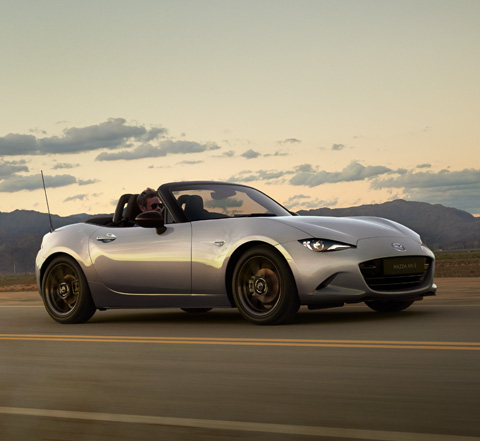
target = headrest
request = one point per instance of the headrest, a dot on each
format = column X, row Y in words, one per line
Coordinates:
column 132, row 210
column 119, row 211
column 195, row 202
column 183, row 199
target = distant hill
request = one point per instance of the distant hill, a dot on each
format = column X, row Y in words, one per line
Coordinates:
column 21, row 231
column 440, row 227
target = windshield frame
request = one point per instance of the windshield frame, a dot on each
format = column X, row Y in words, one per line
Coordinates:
column 166, row 192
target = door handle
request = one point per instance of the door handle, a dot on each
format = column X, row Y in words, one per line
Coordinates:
column 109, row 237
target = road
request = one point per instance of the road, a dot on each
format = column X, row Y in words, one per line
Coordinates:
column 338, row 374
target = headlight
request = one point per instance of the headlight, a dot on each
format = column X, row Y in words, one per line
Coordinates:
column 322, row 245
column 423, row 244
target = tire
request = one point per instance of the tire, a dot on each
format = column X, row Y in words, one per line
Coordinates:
column 263, row 287
column 388, row 306
column 195, row 310
column 65, row 292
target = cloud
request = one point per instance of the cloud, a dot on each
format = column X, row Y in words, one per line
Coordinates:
column 277, row 153
column 42, row 132
column 155, row 133
column 458, row 189
column 142, row 151
column 244, row 177
column 166, row 147
column 305, row 168
column 77, row 197
column 185, row 147
column 9, row 168
column 189, row 162
column 302, row 201
column 297, row 198
column 87, row 181
column 308, row 175
column 111, row 134
column 15, row 144
column 352, row 172
column 442, row 178
column 250, row 154
column 34, row 182
column 335, row 147
column 65, row 165
column 260, row 175
column 424, row 166
column 227, row 154
column 289, row 141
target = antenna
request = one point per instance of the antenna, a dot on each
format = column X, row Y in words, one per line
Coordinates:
column 48, row 207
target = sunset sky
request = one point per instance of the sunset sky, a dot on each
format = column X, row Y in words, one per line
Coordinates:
column 317, row 103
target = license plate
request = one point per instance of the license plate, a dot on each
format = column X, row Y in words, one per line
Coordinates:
column 403, row 265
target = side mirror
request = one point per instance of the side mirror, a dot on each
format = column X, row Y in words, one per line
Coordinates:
column 151, row 219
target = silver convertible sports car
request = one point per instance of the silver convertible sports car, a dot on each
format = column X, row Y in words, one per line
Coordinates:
column 218, row 245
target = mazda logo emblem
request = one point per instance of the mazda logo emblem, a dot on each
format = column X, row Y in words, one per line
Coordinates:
column 398, row 246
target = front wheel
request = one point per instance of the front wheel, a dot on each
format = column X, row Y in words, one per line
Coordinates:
column 263, row 287
column 388, row 306
column 65, row 292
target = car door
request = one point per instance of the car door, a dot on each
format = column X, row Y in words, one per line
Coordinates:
column 140, row 261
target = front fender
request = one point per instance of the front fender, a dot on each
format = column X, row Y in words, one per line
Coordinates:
column 71, row 240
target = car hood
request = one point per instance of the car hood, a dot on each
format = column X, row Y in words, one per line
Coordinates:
column 348, row 229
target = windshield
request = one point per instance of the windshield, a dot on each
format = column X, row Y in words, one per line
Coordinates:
column 216, row 201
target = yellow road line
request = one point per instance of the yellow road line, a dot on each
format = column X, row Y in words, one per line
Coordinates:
column 384, row 344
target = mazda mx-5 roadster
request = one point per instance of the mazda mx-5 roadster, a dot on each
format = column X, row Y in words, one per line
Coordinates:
column 223, row 245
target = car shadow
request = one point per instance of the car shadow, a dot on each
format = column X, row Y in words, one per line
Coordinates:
column 341, row 315
column 355, row 314
column 167, row 316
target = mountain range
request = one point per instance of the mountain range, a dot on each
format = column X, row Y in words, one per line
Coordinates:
column 21, row 231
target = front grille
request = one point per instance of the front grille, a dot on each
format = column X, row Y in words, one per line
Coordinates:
column 395, row 273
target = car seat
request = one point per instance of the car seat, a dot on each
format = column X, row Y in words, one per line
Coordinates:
column 194, row 208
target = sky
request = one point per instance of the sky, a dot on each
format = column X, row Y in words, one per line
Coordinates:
column 318, row 103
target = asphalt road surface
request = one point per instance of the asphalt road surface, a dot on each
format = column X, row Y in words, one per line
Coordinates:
column 338, row 374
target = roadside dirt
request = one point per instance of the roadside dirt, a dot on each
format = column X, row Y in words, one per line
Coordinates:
column 456, row 291
column 446, row 268
column 20, row 298
column 18, row 288
column 451, row 291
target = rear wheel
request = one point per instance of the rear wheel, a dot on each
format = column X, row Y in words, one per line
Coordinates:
column 388, row 306
column 263, row 287
column 65, row 292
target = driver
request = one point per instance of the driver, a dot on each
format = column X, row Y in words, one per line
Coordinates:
column 148, row 200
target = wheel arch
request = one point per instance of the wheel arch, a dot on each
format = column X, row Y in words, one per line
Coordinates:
column 66, row 295
column 235, row 257
column 47, row 262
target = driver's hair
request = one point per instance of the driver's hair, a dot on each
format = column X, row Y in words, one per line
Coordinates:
column 144, row 195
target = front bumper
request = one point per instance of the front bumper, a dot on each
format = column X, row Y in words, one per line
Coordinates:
column 336, row 277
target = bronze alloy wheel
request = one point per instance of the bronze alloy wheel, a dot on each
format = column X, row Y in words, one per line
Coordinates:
column 65, row 292
column 263, row 287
